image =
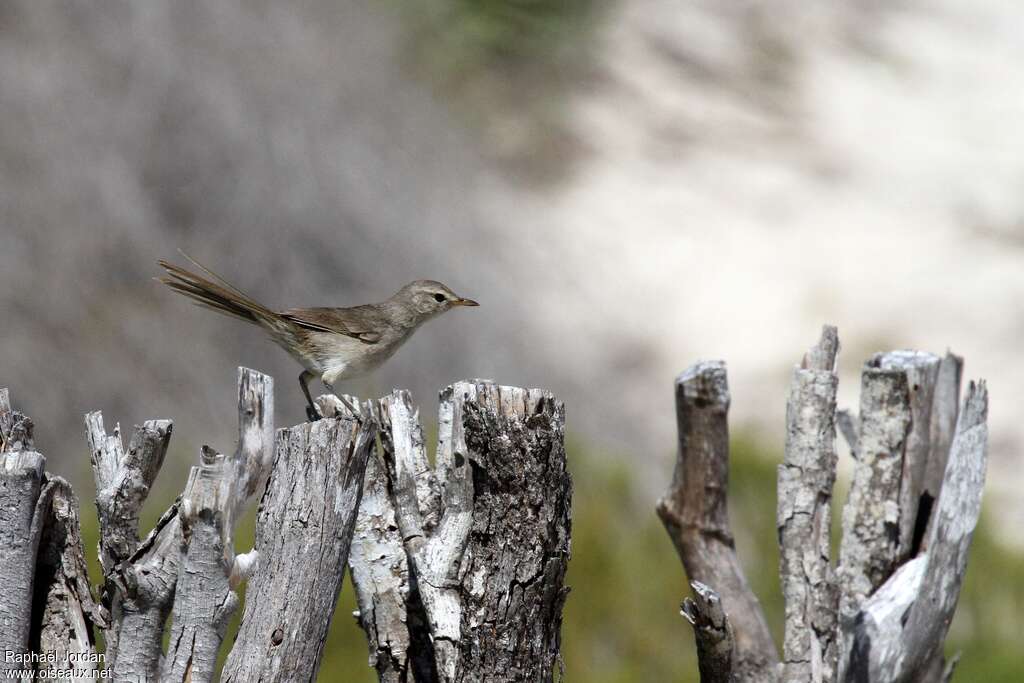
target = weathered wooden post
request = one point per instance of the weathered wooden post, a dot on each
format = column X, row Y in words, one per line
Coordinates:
column 459, row 568
column 694, row 512
column 303, row 534
column 46, row 607
column 882, row 612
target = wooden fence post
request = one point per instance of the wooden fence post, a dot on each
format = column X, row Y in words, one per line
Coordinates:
column 880, row 615
column 431, row 561
column 475, row 561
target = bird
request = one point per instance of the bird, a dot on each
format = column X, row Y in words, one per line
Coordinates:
column 333, row 344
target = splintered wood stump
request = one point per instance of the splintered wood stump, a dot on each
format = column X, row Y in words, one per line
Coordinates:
column 695, row 514
column 806, row 477
column 302, row 540
column 459, row 568
column 45, row 601
column 881, row 614
column 472, row 552
column 21, row 478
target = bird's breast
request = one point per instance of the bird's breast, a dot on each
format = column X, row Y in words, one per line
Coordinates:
column 344, row 357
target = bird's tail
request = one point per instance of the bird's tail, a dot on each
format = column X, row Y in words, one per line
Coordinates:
column 214, row 292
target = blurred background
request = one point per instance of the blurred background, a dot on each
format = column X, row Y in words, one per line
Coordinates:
column 627, row 186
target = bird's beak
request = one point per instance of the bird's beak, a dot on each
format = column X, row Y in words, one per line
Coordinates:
column 464, row 302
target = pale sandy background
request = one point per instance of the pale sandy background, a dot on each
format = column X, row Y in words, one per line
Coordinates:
column 711, row 180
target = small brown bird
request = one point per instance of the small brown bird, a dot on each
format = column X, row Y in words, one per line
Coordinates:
column 331, row 343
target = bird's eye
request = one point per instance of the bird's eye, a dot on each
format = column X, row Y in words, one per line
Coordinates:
column 439, row 298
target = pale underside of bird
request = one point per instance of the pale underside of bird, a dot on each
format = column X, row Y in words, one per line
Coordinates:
column 334, row 344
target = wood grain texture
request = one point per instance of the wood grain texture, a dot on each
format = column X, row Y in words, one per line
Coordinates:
column 303, row 532
column 391, row 610
column 922, row 370
column 870, row 548
column 500, row 483
column 805, row 481
column 123, row 480
column 513, row 571
column 695, row 515
column 945, row 411
column 712, row 632
column 142, row 578
column 146, row 584
column 21, row 480
column 250, row 464
column 63, row 608
column 203, row 598
column 903, row 625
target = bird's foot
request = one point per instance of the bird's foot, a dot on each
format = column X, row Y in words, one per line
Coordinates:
column 353, row 409
column 347, row 403
column 312, row 414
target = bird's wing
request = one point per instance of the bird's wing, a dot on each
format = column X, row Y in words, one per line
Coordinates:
column 351, row 322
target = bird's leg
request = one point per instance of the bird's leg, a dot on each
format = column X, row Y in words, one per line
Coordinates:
column 311, row 411
column 326, row 379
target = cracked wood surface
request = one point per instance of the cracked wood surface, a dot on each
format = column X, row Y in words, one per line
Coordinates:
column 63, row 608
column 903, row 625
column 203, row 598
column 141, row 578
column 146, row 584
column 805, row 481
column 695, row 515
column 123, row 480
column 513, row 571
column 391, row 610
column 922, row 371
column 21, row 481
column 303, row 530
column 250, row 464
column 712, row 633
column 869, row 550
column 484, row 535
column 945, row 411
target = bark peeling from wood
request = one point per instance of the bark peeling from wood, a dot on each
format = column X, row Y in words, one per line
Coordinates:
column 869, row 551
column 805, row 481
column 901, row 628
column 63, row 611
column 713, row 633
column 481, row 543
column 882, row 614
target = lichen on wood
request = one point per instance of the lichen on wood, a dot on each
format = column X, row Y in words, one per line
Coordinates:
column 303, row 531
column 500, row 483
column 805, row 481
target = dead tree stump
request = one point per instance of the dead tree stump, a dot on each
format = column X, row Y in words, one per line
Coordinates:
column 459, row 568
column 880, row 614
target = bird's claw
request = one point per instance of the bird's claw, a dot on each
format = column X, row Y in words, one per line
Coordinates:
column 353, row 410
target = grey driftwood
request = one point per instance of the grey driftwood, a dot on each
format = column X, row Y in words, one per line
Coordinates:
column 441, row 596
column 881, row 611
column 459, row 567
column 695, row 514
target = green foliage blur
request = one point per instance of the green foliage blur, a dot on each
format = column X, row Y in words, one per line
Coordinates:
column 504, row 68
column 622, row 622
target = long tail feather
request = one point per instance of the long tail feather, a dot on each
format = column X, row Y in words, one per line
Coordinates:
column 218, row 296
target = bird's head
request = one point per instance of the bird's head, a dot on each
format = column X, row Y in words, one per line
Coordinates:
column 429, row 298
